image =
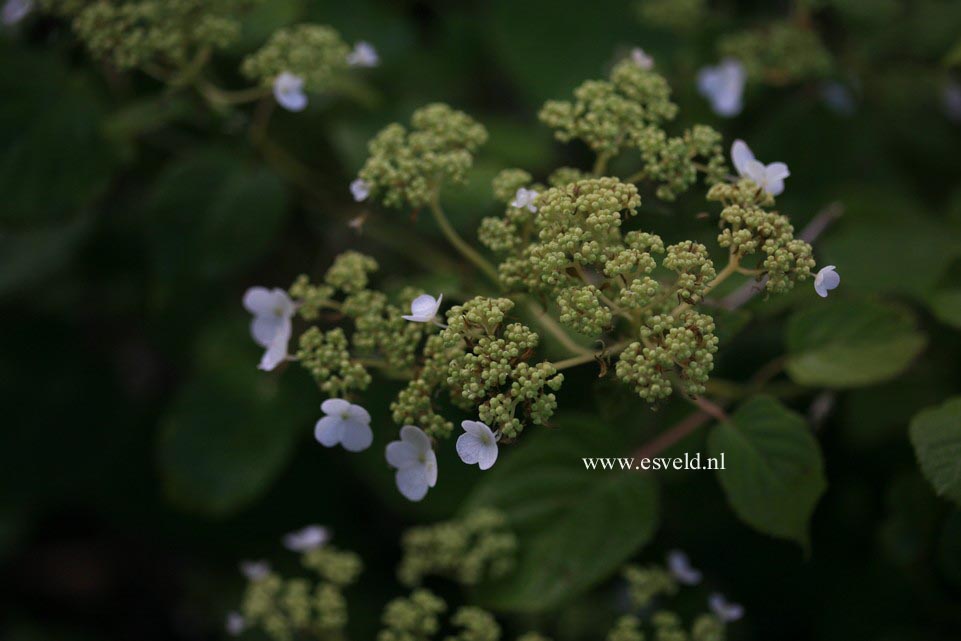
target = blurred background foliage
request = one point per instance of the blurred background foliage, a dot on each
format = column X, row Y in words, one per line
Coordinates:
column 145, row 455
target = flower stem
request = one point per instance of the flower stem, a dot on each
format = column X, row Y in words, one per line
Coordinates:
column 732, row 267
column 459, row 243
column 574, row 361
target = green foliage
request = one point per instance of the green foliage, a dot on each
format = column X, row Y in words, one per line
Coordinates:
column 774, row 472
column 849, row 343
column 936, row 436
column 554, row 505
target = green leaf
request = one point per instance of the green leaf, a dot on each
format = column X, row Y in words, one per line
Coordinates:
column 54, row 158
column 773, row 472
column 936, row 436
column 231, row 428
column 845, row 343
column 576, row 527
column 210, row 214
column 946, row 305
column 26, row 257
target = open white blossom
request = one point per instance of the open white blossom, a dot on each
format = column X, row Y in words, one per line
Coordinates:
column 424, row 308
column 725, row 610
column 478, row 444
column 770, row 178
column 271, row 326
column 289, row 92
column 16, row 10
column 359, row 189
column 235, row 624
column 826, row 280
column 415, row 462
column 641, row 59
column 680, row 568
column 345, row 424
column 363, row 55
column 524, row 198
column 723, row 86
column 307, row 538
column 254, row 570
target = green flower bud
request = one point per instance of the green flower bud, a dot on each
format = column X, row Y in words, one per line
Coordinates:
column 316, row 53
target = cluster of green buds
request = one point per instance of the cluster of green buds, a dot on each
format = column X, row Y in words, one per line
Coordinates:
column 476, row 547
column 138, row 33
column 778, row 53
column 675, row 15
column 315, row 53
column 288, row 608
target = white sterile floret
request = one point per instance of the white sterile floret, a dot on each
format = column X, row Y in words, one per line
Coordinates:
column 770, row 178
column 363, row 55
column 254, row 570
column 424, row 308
column 680, row 568
column 415, row 462
column 235, row 624
column 477, row 445
column 723, row 86
column 289, row 92
column 271, row 325
column 16, row 10
column 725, row 610
column 307, row 538
column 359, row 189
column 524, row 199
column 641, row 59
column 826, row 280
column 344, row 424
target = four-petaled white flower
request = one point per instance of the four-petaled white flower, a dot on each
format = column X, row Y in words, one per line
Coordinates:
column 16, row 10
column 680, row 568
column 415, row 461
column 289, row 92
column 770, row 178
column 424, row 308
column 524, row 198
column 345, row 424
column 723, row 86
column 271, row 326
column 478, row 444
column 254, row 570
column 641, row 59
column 725, row 611
column 359, row 189
column 826, row 280
column 363, row 55
column 307, row 538
column 235, row 624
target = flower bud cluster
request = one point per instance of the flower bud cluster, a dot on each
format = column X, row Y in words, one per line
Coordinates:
column 778, row 53
column 683, row 345
column 136, row 33
column 492, row 372
column 476, row 547
column 748, row 229
column 316, row 53
column 415, row 618
column 406, row 167
column 285, row 608
column 676, row 15
column 475, row 625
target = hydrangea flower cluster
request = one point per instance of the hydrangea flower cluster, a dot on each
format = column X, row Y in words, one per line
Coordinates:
column 778, row 53
column 315, row 54
column 407, row 167
column 477, row 547
column 136, row 33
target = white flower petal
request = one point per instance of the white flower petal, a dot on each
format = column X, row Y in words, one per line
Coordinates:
column 358, row 414
column 357, row 436
column 363, row 55
column 424, row 306
column 277, row 350
column 488, row 456
column 235, row 624
column 826, row 280
column 264, row 329
column 416, row 438
column 641, row 59
column 777, row 171
column 469, row 448
column 359, row 189
column 336, row 407
column 305, row 539
column 289, row 92
column 254, row 570
column 259, row 301
column 16, row 10
column 430, row 467
column 681, row 570
column 412, row 482
column 723, row 86
column 724, row 610
column 329, row 430
column 741, row 155
column 401, row 455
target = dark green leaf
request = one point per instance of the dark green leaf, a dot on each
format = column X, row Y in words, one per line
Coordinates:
column 936, row 436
